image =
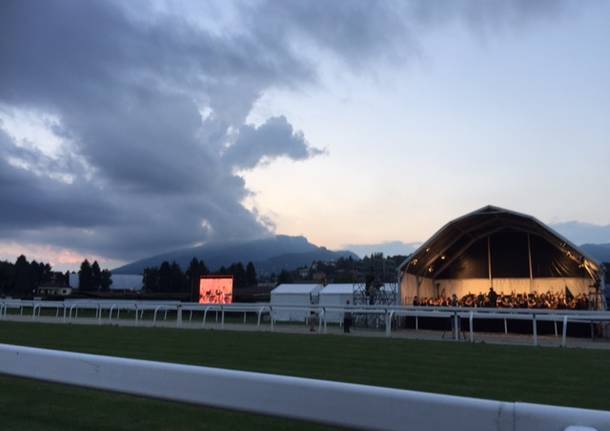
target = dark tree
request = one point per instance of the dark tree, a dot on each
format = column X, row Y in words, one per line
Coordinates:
column 165, row 277
column 239, row 275
column 96, row 276
column 85, row 278
column 251, row 279
column 284, row 277
column 196, row 269
column 178, row 281
column 23, row 277
column 105, row 280
column 151, row 279
column 7, row 277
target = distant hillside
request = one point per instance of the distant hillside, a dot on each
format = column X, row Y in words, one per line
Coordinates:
column 268, row 255
column 600, row 252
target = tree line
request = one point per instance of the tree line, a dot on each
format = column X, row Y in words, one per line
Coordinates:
column 22, row 278
column 92, row 278
column 383, row 269
column 169, row 277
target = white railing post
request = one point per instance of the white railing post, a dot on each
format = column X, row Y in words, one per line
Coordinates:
column 535, row 328
column 324, row 319
column 564, row 331
column 388, row 323
column 178, row 316
column 470, row 325
column 271, row 318
column 320, row 320
column 205, row 316
column 258, row 321
column 154, row 322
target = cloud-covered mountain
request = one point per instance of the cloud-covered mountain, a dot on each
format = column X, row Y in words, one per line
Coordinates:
column 268, row 255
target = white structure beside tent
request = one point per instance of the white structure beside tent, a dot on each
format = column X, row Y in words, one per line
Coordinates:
column 336, row 294
column 293, row 294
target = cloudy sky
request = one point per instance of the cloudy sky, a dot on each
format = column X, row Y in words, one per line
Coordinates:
column 133, row 128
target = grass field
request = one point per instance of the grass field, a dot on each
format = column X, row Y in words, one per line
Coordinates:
column 572, row 377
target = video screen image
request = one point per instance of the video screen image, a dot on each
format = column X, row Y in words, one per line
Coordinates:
column 216, row 290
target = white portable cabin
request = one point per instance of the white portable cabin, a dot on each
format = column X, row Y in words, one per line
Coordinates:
column 293, row 294
column 336, row 294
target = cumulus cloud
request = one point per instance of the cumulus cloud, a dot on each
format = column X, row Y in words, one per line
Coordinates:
column 275, row 138
column 151, row 111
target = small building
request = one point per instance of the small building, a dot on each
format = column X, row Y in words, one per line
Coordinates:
column 302, row 295
column 336, row 294
column 53, row 290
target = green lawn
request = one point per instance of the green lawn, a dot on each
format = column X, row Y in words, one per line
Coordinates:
column 573, row 377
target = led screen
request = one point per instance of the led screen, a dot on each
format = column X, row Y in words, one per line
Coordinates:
column 216, row 290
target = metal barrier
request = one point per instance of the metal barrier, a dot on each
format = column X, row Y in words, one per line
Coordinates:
column 326, row 402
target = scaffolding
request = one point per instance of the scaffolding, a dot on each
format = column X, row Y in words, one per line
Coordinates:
column 374, row 293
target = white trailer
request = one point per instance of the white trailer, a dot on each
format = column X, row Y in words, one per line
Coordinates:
column 287, row 298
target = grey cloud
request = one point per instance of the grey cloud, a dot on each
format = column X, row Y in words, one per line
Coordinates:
column 31, row 199
column 147, row 172
column 275, row 138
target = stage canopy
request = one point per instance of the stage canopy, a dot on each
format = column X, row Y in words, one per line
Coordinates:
column 501, row 248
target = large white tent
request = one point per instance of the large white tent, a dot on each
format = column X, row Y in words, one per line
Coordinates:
column 293, row 294
column 503, row 249
column 336, row 294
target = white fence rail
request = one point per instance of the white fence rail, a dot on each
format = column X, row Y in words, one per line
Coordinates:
column 69, row 309
column 326, row 402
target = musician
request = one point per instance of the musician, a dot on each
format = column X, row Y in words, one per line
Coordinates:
column 492, row 297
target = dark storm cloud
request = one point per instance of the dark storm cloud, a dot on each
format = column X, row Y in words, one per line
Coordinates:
column 30, row 198
column 274, row 138
column 153, row 110
column 128, row 94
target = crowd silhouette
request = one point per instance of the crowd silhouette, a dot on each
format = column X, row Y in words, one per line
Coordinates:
column 548, row 300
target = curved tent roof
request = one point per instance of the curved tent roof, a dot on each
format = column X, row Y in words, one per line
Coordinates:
column 514, row 244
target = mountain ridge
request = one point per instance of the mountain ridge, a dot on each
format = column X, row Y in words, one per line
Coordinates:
column 600, row 252
column 272, row 254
